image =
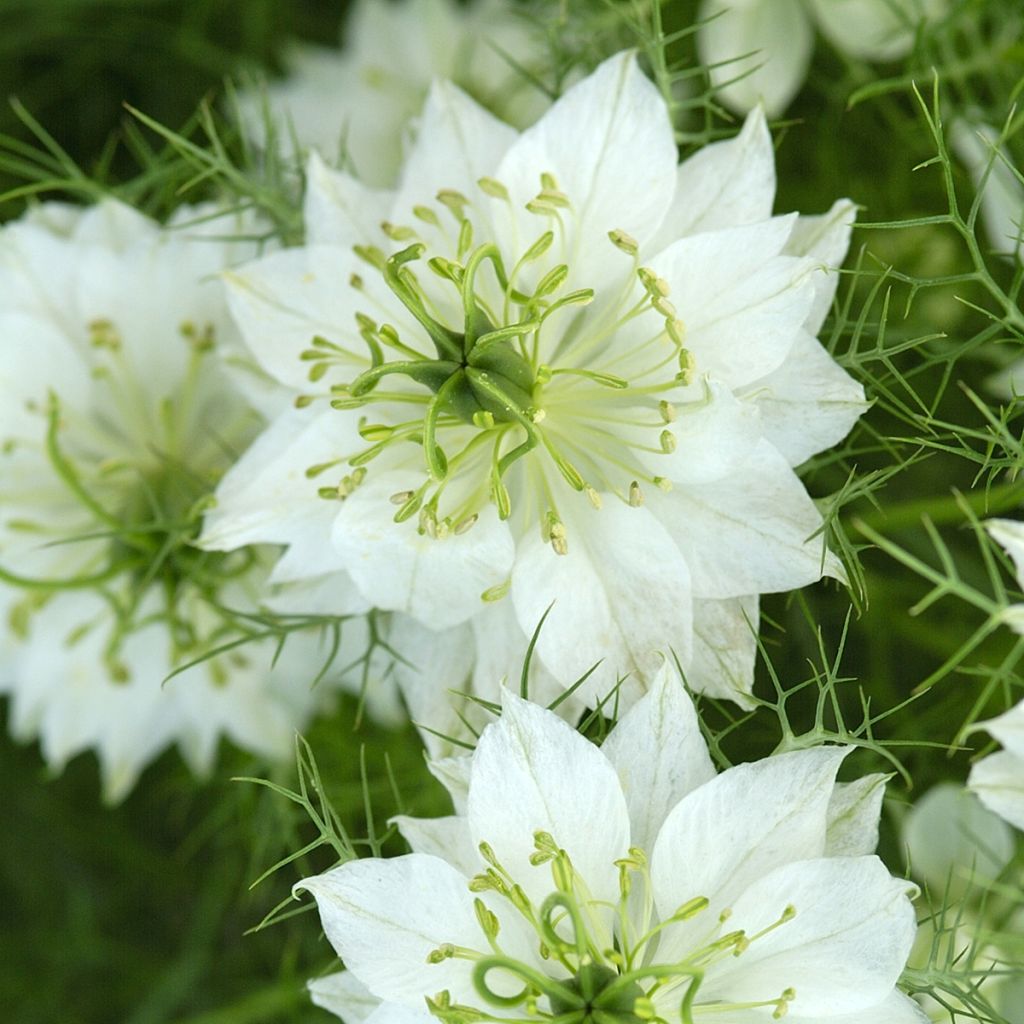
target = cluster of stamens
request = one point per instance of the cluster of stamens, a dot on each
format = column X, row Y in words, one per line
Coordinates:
column 592, row 966
column 127, row 473
column 488, row 371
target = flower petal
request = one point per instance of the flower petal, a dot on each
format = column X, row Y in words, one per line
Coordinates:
column 344, row 995
column 383, row 917
column 742, row 824
column 778, row 36
column 621, row 594
column 724, row 648
column 447, row 838
column 339, row 209
column 1009, row 535
column 724, row 185
column 590, row 141
column 659, row 754
column 809, row 403
column 842, row 951
column 999, row 782
column 826, row 238
column 853, row 814
column 533, row 772
column 881, row 30
column 750, row 533
column 436, row 580
column 742, row 301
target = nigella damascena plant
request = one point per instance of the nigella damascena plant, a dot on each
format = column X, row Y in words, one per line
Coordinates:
column 362, row 99
column 625, row 884
column 117, row 418
column 553, row 370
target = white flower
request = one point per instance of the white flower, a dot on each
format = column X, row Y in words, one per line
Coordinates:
column 999, row 778
column 116, row 417
column 362, row 99
column 775, row 39
column 625, row 883
column 580, row 380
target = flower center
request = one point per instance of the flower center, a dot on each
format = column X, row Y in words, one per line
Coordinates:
column 596, row 963
column 520, row 377
column 134, row 472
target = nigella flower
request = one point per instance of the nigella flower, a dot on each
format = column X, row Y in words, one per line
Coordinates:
column 775, row 39
column 553, row 370
column 362, row 98
column 627, row 883
column 117, row 418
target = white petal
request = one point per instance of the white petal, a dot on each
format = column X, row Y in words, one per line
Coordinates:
column 266, row 497
column 750, row 533
column 1008, row 728
column 621, row 594
column 590, row 141
column 853, row 814
column 779, row 37
column 395, row 1013
column 453, row 773
column 533, row 772
column 458, row 142
column 843, row 950
column 447, row 838
column 880, row 30
column 742, row 824
column 742, row 302
column 826, row 238
column 283, row 301
column 438, row 581
column 953, row 841
column 809, row 403
column 999, row 782
column 432, row 669
column 724, row 648
column 659, row 754
column 724, row 185
column 339, row 210
column 344, row 995
column 1009, row 534
column 383, row 917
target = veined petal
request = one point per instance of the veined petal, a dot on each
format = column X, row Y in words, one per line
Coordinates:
column 742, row 824
column 608, row 142
column 778, row 37
column 621, row 593
column 999, row 782
column 724, row 185
column 825, row 238
column 383, row 917
column 843, row 949
column 749, row 533
column 437, row 580
column 458, row 142
column 742, row 302
column 344, row 995
column 447, row 838
column 853, row 814
column 340, row 209
column 659, row 754
column 533, row 772
column 283, row 301
column 724, row 648
column 808, row 403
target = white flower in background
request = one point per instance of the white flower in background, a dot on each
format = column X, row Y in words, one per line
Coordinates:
column 553, row 369
column 959, row 849
column 770, row 42
column 999, row 778
column 362, row 98
column 625, row 883
column 116, row 418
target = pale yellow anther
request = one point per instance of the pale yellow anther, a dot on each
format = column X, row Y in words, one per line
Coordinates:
column 538, row 416
column 355, row 281
column 665, row 308
column 592, row 496
column 676, row 330
column 465, row 525
column 636, row 495
column 493, row 187
column 400, row 497
column 668, row 442
column 663, row 484
column 667, row 411
column 624, row 241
